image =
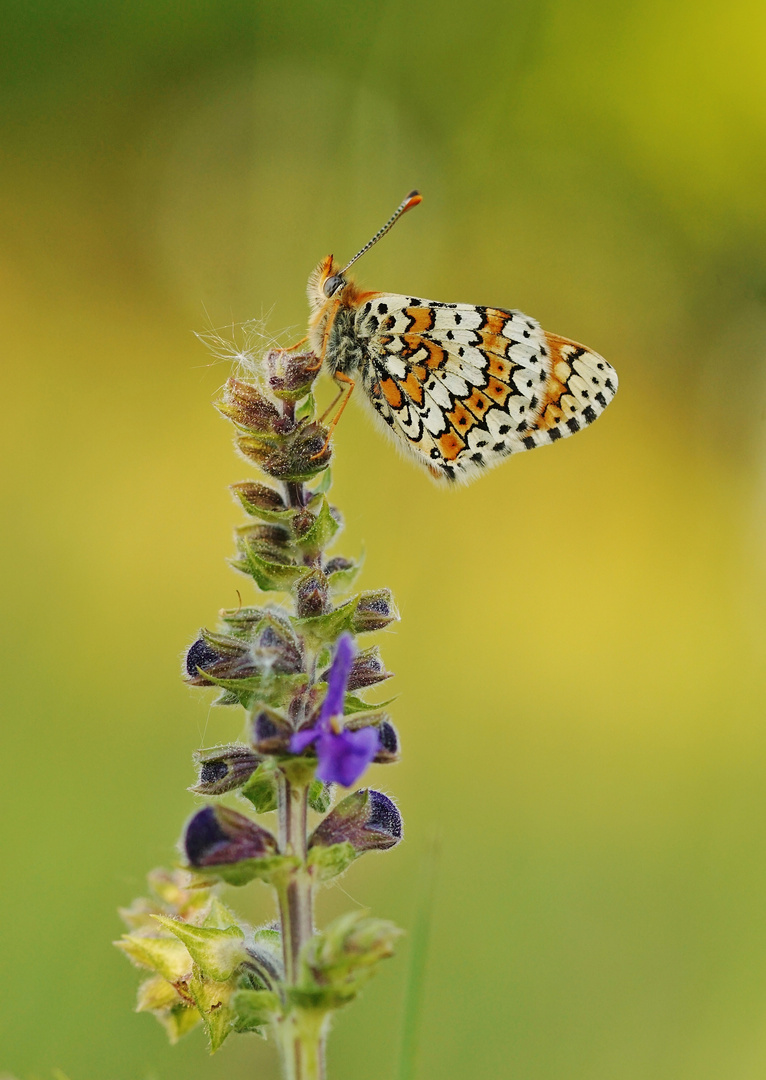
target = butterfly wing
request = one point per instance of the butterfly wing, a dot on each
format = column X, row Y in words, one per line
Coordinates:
column 462, row 387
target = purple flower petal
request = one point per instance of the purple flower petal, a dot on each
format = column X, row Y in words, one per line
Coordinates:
column 344, row 757
column 301, row 739
column 337, row 678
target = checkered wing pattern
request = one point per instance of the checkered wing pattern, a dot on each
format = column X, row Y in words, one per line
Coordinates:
column 462, row 387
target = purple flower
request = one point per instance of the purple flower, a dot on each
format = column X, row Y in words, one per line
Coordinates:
column 343, row 755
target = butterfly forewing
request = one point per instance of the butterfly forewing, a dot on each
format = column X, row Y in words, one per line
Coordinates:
column 463, row 387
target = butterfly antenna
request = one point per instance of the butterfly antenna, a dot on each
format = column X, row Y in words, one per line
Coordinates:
column 412, row 199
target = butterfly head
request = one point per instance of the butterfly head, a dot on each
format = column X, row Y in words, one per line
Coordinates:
column 326, row 283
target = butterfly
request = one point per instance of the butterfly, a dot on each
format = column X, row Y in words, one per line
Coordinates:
column 460, row 387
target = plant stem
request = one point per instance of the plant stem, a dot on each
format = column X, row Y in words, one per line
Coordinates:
column 301, row 1032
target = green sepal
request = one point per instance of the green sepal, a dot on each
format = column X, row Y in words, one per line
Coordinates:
column 255, row 1009
column 178, row 1021
column 269, row 576
column 353, row 704
column 227, row 698
column 268, row 868
column 165, row 955
column 217, row 953
column 325, row 483
column 340, row 581
column 261, row 512
column 261, row 788
column 320, row 796
column 323, row 629
column 219, row 916
column 156, row 993
column 322, row 530
column 336, row 962
column 307, row 409
column 327, row 863
column 213, row 1000
column 271, row 689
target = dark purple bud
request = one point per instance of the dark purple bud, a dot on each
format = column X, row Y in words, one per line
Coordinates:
column 217, row 836
column 224, row 768
column 367, row 670
column 270, row 733
column 388, row 749
column 367, row 819
column 255, row 497
column 217, row 655
column 245, row 405
column 374, row 611
column 311, row 597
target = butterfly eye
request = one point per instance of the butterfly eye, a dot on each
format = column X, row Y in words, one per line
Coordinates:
column 333, row 284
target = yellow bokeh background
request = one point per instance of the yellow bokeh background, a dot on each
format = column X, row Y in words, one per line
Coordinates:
column 580, row 659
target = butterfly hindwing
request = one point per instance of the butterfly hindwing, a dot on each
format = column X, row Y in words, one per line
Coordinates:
column 463, row 386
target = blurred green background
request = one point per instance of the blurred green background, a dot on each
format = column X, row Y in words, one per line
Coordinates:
column 580, row 660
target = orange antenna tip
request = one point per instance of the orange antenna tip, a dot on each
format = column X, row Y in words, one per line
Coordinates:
column 411, row 200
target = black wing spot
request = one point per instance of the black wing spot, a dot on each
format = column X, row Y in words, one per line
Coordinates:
column 382, row 309
column 600, row 367
column 533, row 402
column 527, row 333
column 481, row 442
column 504, row 429
column 529, row 382
column 609, row 384
column 529, row 442
column 498, row 447
column 601, row 400
column 589, row 413
column 434, row 452
column 573, row 425
column 554, row 434
column 522, row 426
column 478, row 458
column 450, row 336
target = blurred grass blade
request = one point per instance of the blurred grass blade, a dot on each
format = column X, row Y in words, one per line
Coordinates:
column 415, row 989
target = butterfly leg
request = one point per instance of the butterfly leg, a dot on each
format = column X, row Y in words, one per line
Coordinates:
column 348, row 390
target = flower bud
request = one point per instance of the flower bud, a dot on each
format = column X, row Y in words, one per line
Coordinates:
column 291, row 374
column 366, row 819
column 270, row 733
column 367, row 670
column 224, row 768
column 245, row 405
column 374, row 611
column 388, row 750
column 388, row 736
column 217, row 835
column 332, row 566
column 218, row 655
column 275, row 647
column 258, row 498
column 311, row 595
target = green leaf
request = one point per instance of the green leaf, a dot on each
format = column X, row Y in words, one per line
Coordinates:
column 255, row 1009
column 320, row 796
column 328, row 862
column 261, row 788
column 218, row 953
